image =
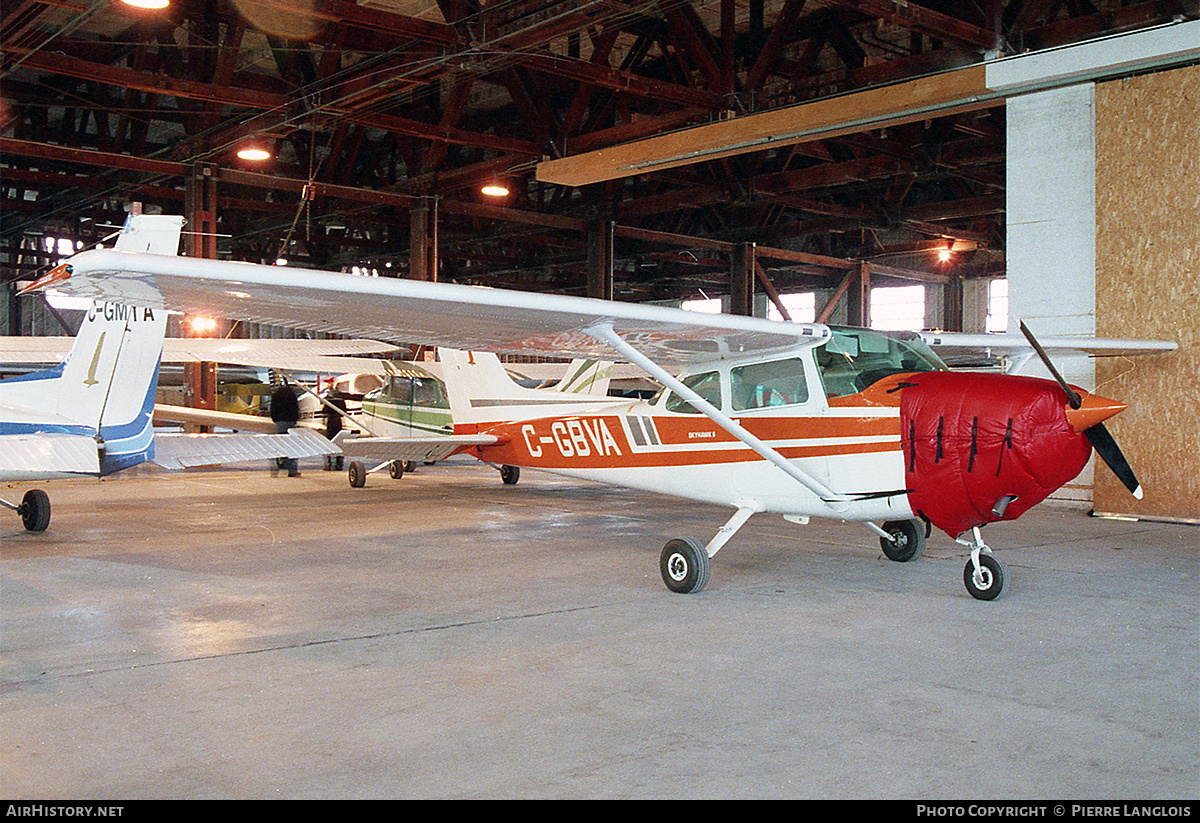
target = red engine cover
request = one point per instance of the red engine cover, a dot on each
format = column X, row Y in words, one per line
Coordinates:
column 971, row 439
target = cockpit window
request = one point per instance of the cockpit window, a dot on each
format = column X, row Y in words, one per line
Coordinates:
column 706, row 384
column 761, row 385
column 854, row 359
column 417, row 391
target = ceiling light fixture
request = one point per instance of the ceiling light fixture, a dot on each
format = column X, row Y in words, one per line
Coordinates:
column 202, row 326
column 148, row 4
column 255, row 153
column 495, row 189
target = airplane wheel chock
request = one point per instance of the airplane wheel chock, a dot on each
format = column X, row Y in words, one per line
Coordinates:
column 357, row 473
column 907, row 540
column 684, row 565
column 35, row 510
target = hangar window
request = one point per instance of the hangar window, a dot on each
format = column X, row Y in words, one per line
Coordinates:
column 801, row 307
column 997, row 312
column 898, row 307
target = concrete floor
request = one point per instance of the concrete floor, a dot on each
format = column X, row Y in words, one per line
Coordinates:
column 243, row 635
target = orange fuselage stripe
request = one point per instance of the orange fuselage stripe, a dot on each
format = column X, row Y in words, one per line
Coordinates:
column 601, row 442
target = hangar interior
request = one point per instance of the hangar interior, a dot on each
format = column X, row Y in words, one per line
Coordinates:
column 793, row 158
column 932, row 164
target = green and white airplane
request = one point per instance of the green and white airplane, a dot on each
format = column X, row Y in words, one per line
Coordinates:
column 413, row 403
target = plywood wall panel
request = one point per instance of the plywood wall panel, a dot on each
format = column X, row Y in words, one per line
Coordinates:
column 1148, row 284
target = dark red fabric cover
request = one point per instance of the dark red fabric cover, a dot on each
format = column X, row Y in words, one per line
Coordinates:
column 972, row 438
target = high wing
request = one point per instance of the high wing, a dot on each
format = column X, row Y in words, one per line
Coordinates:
column 329, row 356
column 444, row 314
column 1014, row 350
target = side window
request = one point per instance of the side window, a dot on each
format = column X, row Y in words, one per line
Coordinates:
column 401, row 389
column 428, row 393
column 762, row 385
column 706, row 384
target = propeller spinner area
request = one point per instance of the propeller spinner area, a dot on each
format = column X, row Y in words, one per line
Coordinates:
column 1096, row 432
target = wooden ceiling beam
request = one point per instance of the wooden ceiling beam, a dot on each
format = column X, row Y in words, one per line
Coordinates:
column 950, row 92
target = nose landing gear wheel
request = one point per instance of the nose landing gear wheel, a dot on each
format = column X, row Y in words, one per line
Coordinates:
column 988, row 581
column 684, row 565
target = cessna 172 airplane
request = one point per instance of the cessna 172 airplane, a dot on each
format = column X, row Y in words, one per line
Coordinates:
column 799, row 419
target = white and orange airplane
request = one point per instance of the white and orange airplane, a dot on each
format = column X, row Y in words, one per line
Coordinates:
column 798, row 419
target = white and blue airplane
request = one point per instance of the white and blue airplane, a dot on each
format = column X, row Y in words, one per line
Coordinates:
column 92, row 414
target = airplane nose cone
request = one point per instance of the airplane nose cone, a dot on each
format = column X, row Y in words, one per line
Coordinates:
column 1093, row 410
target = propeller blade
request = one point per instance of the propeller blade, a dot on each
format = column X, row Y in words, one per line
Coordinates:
column 1072, row 397
column 1110, row 453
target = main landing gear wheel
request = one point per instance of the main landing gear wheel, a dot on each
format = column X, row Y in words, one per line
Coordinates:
column 357, row 473
column 684, row 565
column 988, row 581
column 908, row 540
column 35, row 510
column 334, row 462
column 396, row 469
column 509, row 475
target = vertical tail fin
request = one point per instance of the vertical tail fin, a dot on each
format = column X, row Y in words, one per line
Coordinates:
column 105, row 388
column 150, row 234
column 481, row 391
column 587, row 377
column 119, row 382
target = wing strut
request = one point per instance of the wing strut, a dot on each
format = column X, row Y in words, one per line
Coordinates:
column 605, row 333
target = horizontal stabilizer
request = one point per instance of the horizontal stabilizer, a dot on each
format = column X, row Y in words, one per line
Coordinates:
column 428, row 449
column 181, row 451
column 46, row 454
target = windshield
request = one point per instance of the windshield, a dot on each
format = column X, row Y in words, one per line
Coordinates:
column 853, row 359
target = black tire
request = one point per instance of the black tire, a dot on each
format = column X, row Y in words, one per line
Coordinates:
column 509, row 475
column 285, row 407
column 35, row 510
column 991, row 578
column 396, row 469
column 357, row 473
column 684, row 565
column 908, row 540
